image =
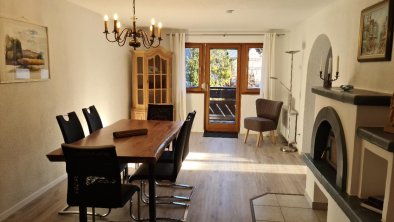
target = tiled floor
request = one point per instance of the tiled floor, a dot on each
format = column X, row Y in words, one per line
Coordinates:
column 285, row 208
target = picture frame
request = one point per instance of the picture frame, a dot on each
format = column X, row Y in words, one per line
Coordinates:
column 376, row 32
column 25, row 56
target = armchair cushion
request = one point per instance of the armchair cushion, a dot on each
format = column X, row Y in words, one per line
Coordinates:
column 259, row 124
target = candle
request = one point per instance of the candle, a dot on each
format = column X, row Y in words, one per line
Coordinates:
column 115, row 22
column 321, row 63
column 151, row 29
column 329, row 65
column 106, row 23
column 337, row 63
column 118, row 25
column 159, row 30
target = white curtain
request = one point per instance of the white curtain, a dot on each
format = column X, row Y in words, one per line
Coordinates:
column 177, row 46
column 266, row 90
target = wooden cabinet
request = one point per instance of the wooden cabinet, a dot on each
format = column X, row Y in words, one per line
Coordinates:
column 151, row 80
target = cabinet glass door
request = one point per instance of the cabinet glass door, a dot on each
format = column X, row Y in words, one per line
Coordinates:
column 140, row 80
column 157, row 80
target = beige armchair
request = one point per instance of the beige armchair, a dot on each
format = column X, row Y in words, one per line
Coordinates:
column 268, row 112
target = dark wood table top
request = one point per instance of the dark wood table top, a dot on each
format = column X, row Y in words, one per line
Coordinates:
column 144, row 148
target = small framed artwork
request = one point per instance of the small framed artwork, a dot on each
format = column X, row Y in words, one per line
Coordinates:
column 376, row 32
column 25, row 48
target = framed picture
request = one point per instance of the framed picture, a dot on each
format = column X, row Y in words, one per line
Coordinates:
column 376, row 32
column 25, row 55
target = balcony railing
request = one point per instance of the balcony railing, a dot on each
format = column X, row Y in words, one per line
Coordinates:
column 222, row 105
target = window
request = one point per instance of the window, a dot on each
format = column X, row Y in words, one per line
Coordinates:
column 251, row 67
column 253, row 59
column 193, row 65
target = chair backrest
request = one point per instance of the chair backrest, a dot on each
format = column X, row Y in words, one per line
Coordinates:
column 93, row 176
column 92, row 118
column 160, row 112
column 71, row 129
column 269, row 109
column 179, row 147
column 190, row 117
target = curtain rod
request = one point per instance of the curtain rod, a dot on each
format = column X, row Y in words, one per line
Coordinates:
column 228, row 34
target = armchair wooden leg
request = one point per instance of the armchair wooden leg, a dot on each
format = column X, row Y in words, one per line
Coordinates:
column 259, row 139
column 246, row 135
column 273, row 136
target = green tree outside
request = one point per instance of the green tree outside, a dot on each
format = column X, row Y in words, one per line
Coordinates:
column 192, row 65
column 221, row 65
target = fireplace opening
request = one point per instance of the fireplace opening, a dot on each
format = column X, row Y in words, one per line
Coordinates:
column 329, row 147
column 330, row 152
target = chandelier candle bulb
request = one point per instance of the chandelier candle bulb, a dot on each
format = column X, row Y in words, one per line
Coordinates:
column 106, row 23
column 159, row 30
column 115, row 21
column 118, row 25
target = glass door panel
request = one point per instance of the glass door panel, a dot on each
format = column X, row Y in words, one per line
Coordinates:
column 222, row 91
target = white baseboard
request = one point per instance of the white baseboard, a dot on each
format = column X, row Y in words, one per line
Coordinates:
column 24, row 202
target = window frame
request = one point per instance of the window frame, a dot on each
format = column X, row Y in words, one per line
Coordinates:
column 201, row 67
column 245, row 67
column 244, row 58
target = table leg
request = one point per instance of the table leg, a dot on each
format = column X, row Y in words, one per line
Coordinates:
column 83, row 215
column 152, row 193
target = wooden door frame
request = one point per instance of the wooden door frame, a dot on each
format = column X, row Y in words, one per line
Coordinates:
column 222, row 127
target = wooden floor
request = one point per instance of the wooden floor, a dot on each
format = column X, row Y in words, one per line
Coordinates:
column 226, row 173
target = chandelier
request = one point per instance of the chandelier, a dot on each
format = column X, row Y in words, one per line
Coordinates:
column 136, row 36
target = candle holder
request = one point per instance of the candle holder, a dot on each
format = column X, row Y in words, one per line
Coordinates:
column 327, row 79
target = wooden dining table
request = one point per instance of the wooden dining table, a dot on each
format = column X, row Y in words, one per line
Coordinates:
column 135, row 149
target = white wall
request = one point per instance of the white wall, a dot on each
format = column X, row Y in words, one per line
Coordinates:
column 340, row 22
column 85, row 70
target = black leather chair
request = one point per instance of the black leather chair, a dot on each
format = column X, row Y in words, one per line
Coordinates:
column 94, row 123
column 268, row 112
column 71, row 129
column 92, row 118
column 94, row 179
column 190, row 117
column 166, row 171
column 160, row 112
column 168, row 156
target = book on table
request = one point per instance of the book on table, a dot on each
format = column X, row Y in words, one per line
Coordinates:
column 374, row 203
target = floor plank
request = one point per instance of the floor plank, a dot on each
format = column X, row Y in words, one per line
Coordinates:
column 226, row 172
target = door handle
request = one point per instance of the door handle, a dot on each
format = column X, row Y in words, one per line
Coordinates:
column 203, row 86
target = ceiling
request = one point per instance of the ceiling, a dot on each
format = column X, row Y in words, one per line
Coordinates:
column 211, row 15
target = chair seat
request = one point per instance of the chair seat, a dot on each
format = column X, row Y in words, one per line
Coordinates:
column 259, row 124
column 163, row 171
column 167, row 157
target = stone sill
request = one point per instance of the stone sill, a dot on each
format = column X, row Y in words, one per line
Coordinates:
column 354, row 96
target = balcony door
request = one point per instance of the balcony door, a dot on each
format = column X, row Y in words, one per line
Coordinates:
column 222, row 100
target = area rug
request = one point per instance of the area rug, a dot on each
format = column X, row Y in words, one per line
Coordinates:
column 220, row 134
